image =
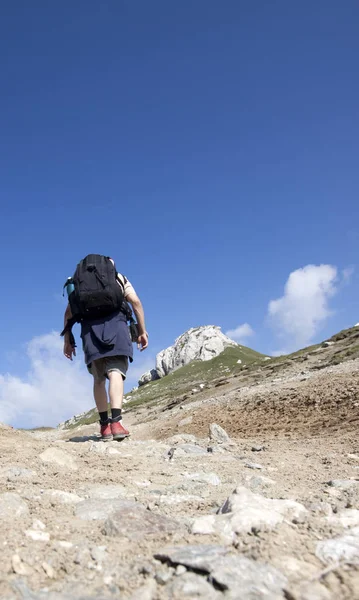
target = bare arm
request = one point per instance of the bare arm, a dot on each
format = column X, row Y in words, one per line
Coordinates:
column 69, row 350
column 140, row 316
column 67, row 316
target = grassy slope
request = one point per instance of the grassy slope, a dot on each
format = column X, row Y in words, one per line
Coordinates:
column 186, row 378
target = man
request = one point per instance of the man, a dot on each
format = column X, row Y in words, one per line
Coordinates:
column 107, row 348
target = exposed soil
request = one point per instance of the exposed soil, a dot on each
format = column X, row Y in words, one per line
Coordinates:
column 298, row 423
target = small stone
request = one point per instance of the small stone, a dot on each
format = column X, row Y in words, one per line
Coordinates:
column 164, row 575
column 186, row 421
column 191, row 587
column 106, row 492
column 145, row 592
column 113, row 451
column 48, row 570
column 95, row 509
column 18, row 566
column 251, row 465
column 65, row 544
column 344, row 548
column 181, row 438
column 209, row 478
column 63, row 497
column 37, row 536
column 180, row 569
column 204, row 525
column 345, row 518
column 256, row 482
column 190, row 449
column 179, row 498
column 58, row 457
column 144, row 483
column 257, row 448
column 82, row 557
column 343, row 484
column 38, row 525
column 216, row 449
column 217, row 433
column 353, row 456
column 98, row 554
column 98, row 447
column 12, row 506
column 16, row 473
column 320, row 508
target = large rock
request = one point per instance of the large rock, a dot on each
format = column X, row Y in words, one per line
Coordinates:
column 244, row 511
column 151, row 375
column 132, row 520
column 229, row 572
column 199, row 343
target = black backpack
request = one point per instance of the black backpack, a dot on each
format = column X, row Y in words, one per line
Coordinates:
column 95, row 289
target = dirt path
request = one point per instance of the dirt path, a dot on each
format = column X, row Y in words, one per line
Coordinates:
column 84, row 519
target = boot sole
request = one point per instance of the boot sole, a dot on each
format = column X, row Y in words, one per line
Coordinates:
column 107, row 438
column 120, row 436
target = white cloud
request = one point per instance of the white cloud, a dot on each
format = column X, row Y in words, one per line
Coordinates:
column 53, row 390
column 298, row 315
column 240, row 333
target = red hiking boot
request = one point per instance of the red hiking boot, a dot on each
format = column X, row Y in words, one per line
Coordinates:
column 105, row 429
column 118, row 430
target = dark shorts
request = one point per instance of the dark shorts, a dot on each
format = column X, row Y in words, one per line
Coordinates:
column 102, row 366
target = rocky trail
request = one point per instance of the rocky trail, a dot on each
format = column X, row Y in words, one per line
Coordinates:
column 246, row 489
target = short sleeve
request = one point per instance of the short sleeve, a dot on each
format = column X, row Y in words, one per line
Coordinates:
column 126, row 284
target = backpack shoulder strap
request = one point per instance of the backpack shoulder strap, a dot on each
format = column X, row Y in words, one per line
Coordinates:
column 122, row 280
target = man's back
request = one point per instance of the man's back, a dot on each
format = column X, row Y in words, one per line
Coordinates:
column 108, row 349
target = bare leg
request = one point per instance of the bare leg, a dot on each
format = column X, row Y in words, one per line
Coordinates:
column 100, row 395
column 115, row 389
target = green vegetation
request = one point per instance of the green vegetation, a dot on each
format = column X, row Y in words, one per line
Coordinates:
column 184, row 379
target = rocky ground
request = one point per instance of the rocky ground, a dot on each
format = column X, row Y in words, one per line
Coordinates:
column 247, row 488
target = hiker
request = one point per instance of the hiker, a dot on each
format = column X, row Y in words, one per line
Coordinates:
column 98, row 300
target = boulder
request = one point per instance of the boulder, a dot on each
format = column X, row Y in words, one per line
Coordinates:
column 147, row 377
column 198, row 343
column 228, row 572
column 245, row 511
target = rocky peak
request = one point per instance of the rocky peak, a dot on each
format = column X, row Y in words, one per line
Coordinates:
column 198, row 343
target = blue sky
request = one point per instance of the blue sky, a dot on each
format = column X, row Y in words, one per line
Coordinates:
column 210, row 147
